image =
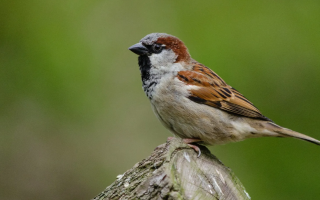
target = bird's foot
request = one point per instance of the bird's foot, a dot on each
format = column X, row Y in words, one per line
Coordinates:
column 196, row 148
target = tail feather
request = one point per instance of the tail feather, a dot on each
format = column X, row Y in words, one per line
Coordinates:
column 301, row 136
column 290, row 133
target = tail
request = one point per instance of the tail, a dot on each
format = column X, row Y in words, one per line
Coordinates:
column 289, row 133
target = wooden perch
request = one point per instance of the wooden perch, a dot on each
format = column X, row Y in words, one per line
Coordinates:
column 173, row 171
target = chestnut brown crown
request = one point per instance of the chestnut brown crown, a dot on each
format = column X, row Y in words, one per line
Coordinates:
column 167, row 42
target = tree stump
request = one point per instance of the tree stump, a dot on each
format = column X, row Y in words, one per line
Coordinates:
column 173, row 171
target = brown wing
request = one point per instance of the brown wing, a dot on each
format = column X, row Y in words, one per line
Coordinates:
column 214, row 92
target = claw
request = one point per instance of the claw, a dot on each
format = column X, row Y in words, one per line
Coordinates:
column 196, row 148
column 191, row 140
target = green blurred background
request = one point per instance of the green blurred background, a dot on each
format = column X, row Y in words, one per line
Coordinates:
column 73, row 115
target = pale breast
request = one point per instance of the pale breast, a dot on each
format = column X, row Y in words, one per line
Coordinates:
column 188, row 119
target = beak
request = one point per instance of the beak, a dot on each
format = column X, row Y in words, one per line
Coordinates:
column 139, row 49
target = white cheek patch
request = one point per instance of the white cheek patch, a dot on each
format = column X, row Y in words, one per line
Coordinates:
column 165, row 58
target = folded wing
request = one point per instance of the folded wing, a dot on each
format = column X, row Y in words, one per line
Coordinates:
column 211, row 90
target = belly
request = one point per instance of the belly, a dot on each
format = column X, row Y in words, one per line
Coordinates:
column 188, row 119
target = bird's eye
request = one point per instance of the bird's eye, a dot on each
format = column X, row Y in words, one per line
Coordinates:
column 157, row 48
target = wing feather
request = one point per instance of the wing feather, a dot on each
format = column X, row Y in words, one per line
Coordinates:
column 213, row 91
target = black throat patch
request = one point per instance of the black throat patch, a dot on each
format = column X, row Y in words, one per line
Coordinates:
column 145, row 66
column 147, row 83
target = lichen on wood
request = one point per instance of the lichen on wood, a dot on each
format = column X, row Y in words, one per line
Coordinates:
column 173, row 171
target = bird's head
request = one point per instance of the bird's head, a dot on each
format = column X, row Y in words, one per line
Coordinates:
column 162, row 49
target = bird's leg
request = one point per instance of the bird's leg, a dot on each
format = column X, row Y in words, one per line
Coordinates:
column 188, row 141
column 191, row 140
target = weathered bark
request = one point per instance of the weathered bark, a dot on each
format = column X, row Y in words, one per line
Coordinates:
column 173, row 171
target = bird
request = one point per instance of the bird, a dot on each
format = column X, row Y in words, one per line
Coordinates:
column 193, row 102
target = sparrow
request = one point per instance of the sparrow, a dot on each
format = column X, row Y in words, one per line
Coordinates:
column 193, row 102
